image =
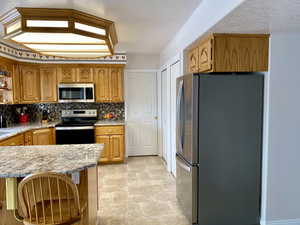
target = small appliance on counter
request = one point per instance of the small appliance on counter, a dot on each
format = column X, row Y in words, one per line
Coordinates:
column 3, row 122
column 23, row 115
column 45, row 115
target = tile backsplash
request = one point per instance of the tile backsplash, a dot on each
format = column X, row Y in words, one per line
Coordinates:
column 54, row 109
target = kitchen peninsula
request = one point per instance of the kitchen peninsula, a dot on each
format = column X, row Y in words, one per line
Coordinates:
column 78, row 161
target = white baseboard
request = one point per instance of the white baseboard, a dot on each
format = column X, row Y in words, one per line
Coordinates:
column 281, row 222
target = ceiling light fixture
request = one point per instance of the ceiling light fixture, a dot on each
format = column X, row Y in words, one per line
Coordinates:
column 64, row 33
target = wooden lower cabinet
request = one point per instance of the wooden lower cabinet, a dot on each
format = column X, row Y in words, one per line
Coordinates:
column 13, row 141
column 114, row 143
column 105, row 156
column 116, row 148
column 28, row 138
column 43, row 136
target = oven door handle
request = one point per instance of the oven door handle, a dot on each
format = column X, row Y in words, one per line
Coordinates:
column 75, row 128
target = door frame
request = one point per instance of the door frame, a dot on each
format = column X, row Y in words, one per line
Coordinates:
column 126, row 71
column 167, row 66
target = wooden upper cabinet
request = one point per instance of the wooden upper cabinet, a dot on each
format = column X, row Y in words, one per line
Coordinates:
column 193, row 61
column 231, row 53
column 102, row 84
column 16, row 85
column 205, row 56
column 84, row 75
column 116, row 84
column 66, row 74
column 43, row 136
column 30, row 84
column 48, row 84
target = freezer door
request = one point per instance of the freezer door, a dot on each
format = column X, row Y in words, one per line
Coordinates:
column 186, row 189
column 187, row 117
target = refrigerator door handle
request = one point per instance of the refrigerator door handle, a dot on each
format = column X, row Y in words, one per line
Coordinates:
column 183, row 166
column 178, row 105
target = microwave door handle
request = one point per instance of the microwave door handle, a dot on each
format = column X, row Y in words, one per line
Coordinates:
column 178, row 105
column 84, row 93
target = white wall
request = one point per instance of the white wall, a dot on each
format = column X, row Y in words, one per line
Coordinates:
column 142, row 61
column 206, row 15
column 283, row 169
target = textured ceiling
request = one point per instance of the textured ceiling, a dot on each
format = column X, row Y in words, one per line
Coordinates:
column 262, row 16
column 143, row 26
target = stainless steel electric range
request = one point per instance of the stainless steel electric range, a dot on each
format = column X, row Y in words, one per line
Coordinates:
column 76, row 127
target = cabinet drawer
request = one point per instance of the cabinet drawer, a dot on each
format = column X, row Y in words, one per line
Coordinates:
column 106, row 130
column 13, row 141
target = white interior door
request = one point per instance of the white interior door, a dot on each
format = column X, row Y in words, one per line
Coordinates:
column 141, row 113
column 164, row 109
column 175, row 73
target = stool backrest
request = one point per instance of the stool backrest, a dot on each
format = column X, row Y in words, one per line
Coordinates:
column 48, row 198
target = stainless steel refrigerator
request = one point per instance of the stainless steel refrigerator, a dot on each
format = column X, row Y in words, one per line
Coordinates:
column 219, row 142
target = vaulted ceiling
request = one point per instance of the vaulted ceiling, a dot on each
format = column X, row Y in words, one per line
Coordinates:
column 143, row 26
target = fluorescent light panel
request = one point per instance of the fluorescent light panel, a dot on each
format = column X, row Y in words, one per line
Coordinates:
column 13, row 27
column 47, row 23
column 91, row 29
column 62, row 47
column 77, row 54
column 56, row 38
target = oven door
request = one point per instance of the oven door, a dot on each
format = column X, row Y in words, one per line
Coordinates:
column 75, row 135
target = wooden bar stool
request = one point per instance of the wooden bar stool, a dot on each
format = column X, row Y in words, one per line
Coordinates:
column 49, row 199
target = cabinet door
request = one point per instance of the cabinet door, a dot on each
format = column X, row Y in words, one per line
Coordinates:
column 84, row 74
column 116, row 80
column 117, row 148
column 102, row 84
column 193, row 61
column 105, row 155
column 16, row 85
column 48, row 84
column 43, row 137
column 13, row 141
column 205, row 56
column 30, row 84
column 66, row 74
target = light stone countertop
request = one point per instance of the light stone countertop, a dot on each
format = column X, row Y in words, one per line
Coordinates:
column 20, row 161
column 20, row 128
column 110, row 123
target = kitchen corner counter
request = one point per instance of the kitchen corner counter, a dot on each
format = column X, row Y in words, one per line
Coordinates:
column 110, row 123
column 20, row 128
column 20, row 161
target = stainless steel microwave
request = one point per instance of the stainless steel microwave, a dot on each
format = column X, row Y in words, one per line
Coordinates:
column 76, row 93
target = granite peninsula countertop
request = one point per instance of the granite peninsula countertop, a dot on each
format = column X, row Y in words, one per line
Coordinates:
column 20, row 128
column 110, row 123
column 20, row 161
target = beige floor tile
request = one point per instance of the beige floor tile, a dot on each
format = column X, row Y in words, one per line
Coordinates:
column 138, row 192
